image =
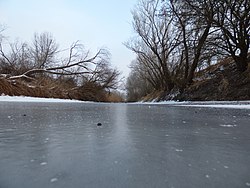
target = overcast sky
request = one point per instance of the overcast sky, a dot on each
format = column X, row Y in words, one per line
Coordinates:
column 96, row 23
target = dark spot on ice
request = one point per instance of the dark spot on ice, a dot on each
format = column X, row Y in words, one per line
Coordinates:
column 24, row 115
column 99, row 124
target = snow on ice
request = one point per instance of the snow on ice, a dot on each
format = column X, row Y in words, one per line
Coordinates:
column 209, row 104
column 178, row 150
column 228, row 125
column 43, row 163
column 53, row 180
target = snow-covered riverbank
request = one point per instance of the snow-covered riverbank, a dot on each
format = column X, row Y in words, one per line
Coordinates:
column 34, row 99
column 210, row 104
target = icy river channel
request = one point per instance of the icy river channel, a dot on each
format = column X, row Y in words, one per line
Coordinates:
column 137, row 145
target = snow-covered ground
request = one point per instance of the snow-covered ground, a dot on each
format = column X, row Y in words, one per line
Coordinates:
column 209, row 104
column 34, row 99
column 235, row 106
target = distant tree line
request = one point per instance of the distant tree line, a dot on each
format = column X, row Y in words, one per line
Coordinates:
column 175, row 38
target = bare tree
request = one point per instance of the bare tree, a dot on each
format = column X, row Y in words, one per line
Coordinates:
column 78, row 63
column 17, row 60
column 137, row 86
column 233, row 19
column 42, row 57
column 105, row 76
column 43, row 50
column 176, row 38
column 230, row 26
column 22, row 57
column 154, row 42
column 195, row 31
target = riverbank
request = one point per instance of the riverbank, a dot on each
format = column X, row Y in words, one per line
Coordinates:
column 219, row 82
column 49, row 88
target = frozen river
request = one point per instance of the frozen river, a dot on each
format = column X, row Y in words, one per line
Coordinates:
column 144, row 146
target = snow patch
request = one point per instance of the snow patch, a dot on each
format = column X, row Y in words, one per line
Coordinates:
column 43, row 163
column 161, row 102
column 4, row 98
column 178, row 150
column 207, row 104
column 228, row 125
column 234, row 106
column 46, row 140
column 53, row 180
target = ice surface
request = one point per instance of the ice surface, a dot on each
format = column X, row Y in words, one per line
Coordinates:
column 137, row 146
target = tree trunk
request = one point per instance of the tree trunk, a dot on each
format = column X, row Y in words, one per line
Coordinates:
column 194, row 65
column 241, row 60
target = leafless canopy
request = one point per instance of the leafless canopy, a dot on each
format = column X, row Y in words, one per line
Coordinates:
column 25, row 61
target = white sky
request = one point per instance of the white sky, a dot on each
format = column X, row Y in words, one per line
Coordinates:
column 97, row 24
